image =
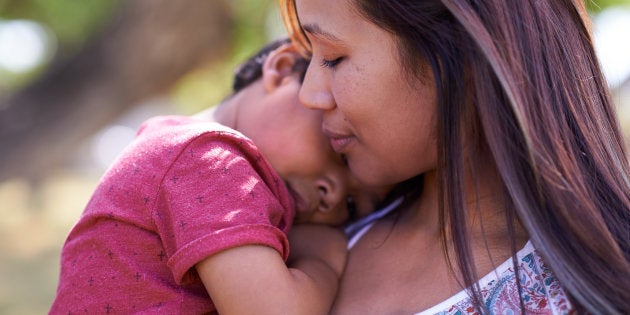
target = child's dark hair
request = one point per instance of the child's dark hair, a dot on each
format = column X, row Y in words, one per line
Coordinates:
column 251, row 70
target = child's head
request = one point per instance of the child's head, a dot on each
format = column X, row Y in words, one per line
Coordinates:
column 290, row 137
column 251, row 69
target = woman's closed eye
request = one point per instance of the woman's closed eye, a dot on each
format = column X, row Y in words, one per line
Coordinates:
column 326, row 63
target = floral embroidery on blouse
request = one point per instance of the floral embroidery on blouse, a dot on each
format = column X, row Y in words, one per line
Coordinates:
column 540, row 290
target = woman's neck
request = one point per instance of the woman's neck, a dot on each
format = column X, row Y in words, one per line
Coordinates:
column 485, row 206
column 488, row 234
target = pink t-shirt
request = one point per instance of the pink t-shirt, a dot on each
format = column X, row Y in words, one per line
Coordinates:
column 183, row 190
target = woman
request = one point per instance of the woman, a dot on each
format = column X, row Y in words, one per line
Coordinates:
column 499, row 110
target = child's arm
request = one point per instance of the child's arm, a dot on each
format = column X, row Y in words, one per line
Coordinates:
column 254, row 279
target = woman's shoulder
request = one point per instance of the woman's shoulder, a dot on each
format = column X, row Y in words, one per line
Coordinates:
column 355, row 230
column 539, row 288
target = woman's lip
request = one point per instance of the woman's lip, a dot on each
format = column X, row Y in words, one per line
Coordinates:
column 338, row 141
column 339, row 144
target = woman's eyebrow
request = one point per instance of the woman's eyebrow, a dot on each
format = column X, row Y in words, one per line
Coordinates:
column 317, row 31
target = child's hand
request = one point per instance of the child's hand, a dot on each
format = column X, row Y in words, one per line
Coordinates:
column 318, row 242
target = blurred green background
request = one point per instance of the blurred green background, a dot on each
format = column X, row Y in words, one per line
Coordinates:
column 78, row 77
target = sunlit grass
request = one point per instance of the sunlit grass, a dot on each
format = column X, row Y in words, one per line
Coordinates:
column 36, row 217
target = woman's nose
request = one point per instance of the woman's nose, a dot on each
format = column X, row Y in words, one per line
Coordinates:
column 315, row 91
column 332, row 193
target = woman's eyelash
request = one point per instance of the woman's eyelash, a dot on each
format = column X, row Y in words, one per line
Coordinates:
column 331, row 63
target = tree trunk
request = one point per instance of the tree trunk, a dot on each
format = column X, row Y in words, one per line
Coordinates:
column 145, row 48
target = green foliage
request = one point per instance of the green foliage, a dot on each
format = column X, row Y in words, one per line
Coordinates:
column 70, row 24
column 208, row 85
column 72, row 21
column 596, row 6
column 251, row 19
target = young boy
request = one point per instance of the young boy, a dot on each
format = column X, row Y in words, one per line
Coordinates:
column 193, row 216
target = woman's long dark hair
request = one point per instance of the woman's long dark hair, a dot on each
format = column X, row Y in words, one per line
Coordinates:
column 518, row 81
column 521, row 81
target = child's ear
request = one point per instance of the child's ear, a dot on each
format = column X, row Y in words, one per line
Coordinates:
column 278, row 66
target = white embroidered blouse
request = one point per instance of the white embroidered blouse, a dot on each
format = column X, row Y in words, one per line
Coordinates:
column 540, row 290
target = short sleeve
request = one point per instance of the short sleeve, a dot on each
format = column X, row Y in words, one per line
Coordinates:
column 220, row 193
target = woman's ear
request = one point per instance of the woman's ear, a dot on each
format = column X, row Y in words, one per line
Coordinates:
column 278, row 66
